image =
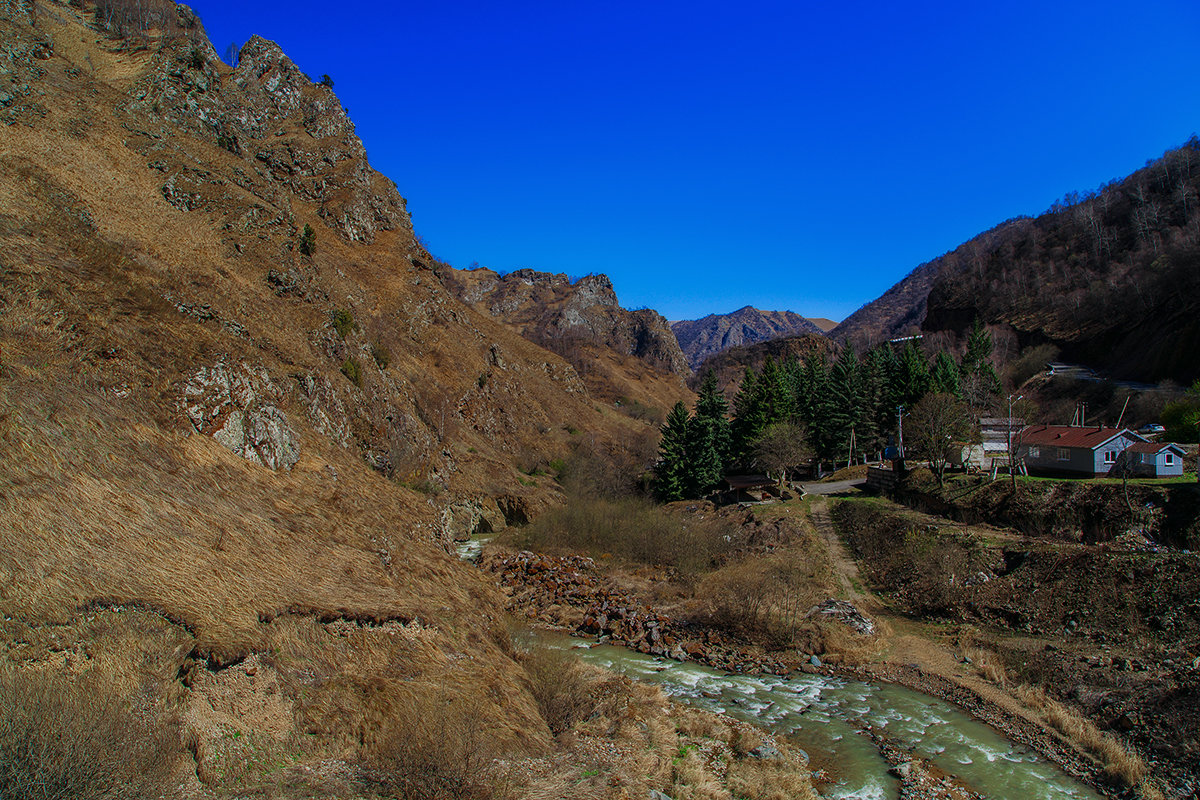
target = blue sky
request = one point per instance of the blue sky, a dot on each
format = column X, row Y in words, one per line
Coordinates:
column 707, row 156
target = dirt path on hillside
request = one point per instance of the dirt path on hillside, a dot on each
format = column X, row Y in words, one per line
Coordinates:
column 845, row 569
column 921, row 656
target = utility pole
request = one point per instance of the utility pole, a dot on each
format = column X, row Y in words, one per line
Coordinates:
column 900, row 424
column 1012, row 457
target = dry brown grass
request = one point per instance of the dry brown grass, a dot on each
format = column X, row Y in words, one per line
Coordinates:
column 558, row 684
column 434, row 747
column 633, row 529
column 62, row 739
column 769, row 596
column 1120, row 762
column 988, row 665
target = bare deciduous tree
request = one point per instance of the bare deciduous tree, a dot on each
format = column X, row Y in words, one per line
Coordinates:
column 781, row 447
column 936, row 423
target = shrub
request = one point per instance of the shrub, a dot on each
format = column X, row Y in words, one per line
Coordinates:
column 558, row 685
column 308, row 240
column 60, row 740
column 381, row 354
column 196, row 60
column 632, row 528
column 352, row 371
column 343, row 322
column 435, row 748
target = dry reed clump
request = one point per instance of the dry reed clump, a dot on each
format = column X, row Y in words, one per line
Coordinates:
column 61, row 740
column 988, row 665
column 768, row 597
column 559, row 686
column 1120, row 763
column 629, row 528
column 434, row 747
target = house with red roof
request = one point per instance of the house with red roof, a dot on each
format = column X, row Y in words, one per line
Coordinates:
column 1075, row 450
column 1156, row 459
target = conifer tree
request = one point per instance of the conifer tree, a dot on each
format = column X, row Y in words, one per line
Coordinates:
column 712, row 407
column 671, row 471
column 702, row 472
column 912, row 375
column 846, row 402
column 979, row 383
column 749, row 414
column 945, row 377
column 811, row 402
column 882, row 362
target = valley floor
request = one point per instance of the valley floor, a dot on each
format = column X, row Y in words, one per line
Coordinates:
column 950, row 647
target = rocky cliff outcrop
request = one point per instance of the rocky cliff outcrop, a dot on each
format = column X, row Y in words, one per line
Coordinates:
column 701, row 338
column 295, row 131
column 554, row 311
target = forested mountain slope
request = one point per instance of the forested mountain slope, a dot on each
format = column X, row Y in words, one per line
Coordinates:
column 1110, row 277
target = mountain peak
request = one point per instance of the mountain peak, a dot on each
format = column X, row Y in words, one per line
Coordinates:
column 704, row 337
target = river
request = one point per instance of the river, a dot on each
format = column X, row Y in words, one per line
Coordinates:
column 826, row 716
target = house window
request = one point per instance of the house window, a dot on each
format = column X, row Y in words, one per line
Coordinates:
column 1035, row 452
column 1064, row 454
column 1170, row 461
column 1110, row 456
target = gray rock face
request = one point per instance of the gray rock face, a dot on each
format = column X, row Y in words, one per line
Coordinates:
column 236, row 407
column 269, row 111
column 465, row 518
column 552, row 311
column 701, row 338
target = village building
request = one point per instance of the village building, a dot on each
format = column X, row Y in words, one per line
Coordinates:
column 1075, row 450
column 990, row 449
column 1155, row 459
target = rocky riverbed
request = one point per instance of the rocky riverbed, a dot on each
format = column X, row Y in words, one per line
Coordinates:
column 570, row 593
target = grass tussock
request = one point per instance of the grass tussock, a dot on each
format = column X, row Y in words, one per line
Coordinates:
column 433, row 748
column 559, row 686
column 988, row 665
column 1120, row 762
column 61, row 740
column 633, row 529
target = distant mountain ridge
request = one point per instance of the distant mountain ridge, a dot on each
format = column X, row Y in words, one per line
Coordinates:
column 701, row 338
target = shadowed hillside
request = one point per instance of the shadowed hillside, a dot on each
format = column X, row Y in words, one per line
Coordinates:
column 1108, row 277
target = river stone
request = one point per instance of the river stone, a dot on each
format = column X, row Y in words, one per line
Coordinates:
column 764, row 751
column 902, row 770
column 816, row 662
column 655, row 794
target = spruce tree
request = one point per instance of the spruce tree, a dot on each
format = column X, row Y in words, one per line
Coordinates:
column 811, row 403
column 671, row 471
column 912, row 374
column 846, row 401
column 712, row 408
column 702, row 473
column 979, row 383
column 945, row 376
column 749, row 414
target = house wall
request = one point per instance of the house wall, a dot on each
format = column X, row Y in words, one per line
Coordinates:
column 1081, row 461
column 1116, row 445
column 1163, row 471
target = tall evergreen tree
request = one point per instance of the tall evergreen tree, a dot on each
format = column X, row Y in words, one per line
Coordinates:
column 703, row 464
column 749, row 414
column 712, row 407
column 912, row 375
column 944, row 378
column 671, row 478
column 811, row 402
column 773, row 391
column 979, row 383
column 846, row 402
